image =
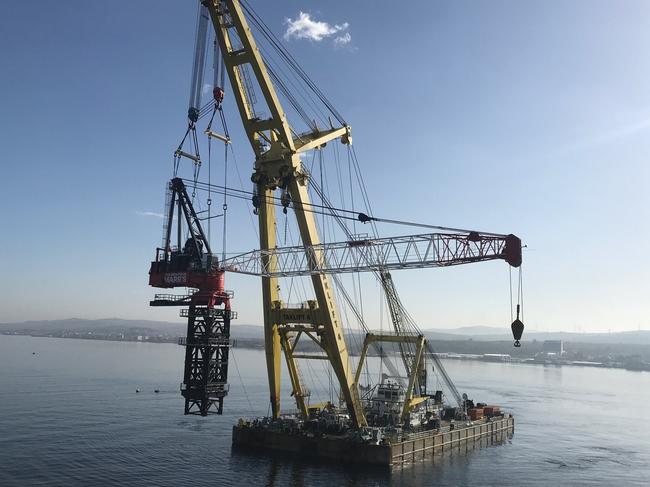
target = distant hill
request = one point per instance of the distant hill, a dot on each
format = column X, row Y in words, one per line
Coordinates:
column 476, row 330
column 487, row 333
column 107, row 325
column 246, row 331
column 116, row 325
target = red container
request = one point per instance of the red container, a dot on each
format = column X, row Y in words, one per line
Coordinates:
column 492, row 410
column 475, row 413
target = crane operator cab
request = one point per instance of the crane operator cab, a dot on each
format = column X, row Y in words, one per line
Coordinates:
column 190, row 257
column 177, row 268
column 191, row 265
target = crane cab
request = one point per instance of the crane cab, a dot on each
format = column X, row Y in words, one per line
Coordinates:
column 186, row 267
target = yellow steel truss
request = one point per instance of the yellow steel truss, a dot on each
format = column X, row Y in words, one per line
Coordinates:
column 278, row 164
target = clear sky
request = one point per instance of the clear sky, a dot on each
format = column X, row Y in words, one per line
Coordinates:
column 506, row 116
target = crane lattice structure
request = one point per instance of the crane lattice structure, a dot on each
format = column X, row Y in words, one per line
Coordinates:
column 278, row 167
column 380, row 254
column 279, row 149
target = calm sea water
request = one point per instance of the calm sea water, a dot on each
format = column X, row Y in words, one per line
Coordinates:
column 69, row 416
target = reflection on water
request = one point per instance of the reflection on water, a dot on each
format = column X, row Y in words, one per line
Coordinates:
column 69, row 415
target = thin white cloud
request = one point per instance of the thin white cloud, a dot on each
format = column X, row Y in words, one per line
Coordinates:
column 596, row 138
column 304, row 27
column 612, row 135
column 343, row 40
column 623, row 131
column 150, row 213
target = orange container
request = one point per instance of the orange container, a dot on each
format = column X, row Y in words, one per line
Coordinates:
column 475, row 413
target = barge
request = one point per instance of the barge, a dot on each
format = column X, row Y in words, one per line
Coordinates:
column 327, row 434
column 345, row 448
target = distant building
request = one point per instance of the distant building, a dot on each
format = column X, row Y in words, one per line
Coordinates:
column 554, row 347
column 497, row 357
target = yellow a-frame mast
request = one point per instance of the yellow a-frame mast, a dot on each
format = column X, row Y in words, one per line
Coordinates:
column 278, row 165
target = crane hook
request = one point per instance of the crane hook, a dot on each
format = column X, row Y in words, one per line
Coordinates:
column 285, row 199
column 517, row 329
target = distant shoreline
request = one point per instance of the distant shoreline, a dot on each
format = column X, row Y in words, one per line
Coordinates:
column 258, row 344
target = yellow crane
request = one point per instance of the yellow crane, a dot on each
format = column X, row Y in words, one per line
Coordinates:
column 278, row 168
column 278, row 165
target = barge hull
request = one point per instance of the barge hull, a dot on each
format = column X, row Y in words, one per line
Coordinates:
column 342, row 449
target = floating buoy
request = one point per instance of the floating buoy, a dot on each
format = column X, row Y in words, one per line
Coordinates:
column 517, row 329
column 137, row 390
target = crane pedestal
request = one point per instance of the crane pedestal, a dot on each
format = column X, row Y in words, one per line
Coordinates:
column 206, row 359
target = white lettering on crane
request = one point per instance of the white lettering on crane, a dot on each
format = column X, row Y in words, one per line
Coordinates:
column 175, row 277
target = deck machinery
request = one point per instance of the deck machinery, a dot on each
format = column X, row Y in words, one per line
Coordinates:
column 282, row 180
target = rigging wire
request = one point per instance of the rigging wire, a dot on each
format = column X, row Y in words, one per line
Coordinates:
column 510, row 286
column 241, row 381
column 354, row 225
column 408, row 322
column 337, row 213
column 241, row 185
column 520, row 293
column 269, row 58
column 276, row 201
column 325, row 209
column 357, row 296
column 209, row 200
column 225, row 179
column 289, row 59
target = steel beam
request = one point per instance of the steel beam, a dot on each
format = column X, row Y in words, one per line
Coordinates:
column 379, row 254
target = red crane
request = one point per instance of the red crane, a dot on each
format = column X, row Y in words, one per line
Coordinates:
column 192, row 265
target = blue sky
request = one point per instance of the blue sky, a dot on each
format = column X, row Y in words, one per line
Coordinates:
column 508, row 116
